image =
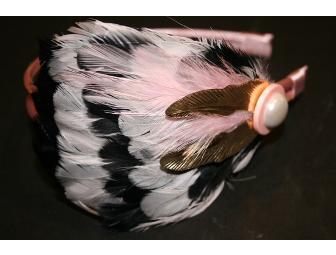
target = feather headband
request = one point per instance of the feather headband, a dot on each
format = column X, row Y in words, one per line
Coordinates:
column 146, row 124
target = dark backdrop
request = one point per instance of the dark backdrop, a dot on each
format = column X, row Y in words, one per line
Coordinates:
column 293, row 196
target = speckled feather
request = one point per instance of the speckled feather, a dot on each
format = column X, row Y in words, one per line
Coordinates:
column 107, row 88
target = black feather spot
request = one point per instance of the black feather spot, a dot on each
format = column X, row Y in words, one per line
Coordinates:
column 116, row 151
column 127, row 44
column 219, row 54
column 211, row 176
column 120, row 162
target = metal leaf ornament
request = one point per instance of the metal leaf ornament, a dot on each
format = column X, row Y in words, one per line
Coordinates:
column 214, row 102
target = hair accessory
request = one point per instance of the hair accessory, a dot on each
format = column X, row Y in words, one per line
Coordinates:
column 144, row 127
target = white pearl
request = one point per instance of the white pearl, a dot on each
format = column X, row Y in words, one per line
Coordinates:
column 276, row 110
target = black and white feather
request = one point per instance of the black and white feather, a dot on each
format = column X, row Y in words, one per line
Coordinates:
column 102, row 92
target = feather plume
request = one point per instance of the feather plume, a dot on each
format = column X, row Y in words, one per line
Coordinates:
column 112, row 86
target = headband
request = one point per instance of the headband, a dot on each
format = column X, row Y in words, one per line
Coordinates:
column 135, row 113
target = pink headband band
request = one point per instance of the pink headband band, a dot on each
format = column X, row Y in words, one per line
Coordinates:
column 251, row 43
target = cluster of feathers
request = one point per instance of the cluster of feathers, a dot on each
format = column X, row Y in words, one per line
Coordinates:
column 103, row 90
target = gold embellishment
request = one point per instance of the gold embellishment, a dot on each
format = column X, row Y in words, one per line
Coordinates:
column 214, row 101
column 220, row 102
column 223, row 146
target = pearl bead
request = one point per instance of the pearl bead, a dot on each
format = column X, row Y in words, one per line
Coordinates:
column 275, row 110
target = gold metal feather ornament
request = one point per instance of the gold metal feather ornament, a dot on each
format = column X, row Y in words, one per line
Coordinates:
column 214, row 101
column 223, row 146
column 223, row 102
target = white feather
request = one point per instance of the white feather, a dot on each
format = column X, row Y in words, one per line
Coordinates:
column 151, row 78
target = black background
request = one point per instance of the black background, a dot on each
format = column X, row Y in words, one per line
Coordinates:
column 293, row 196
